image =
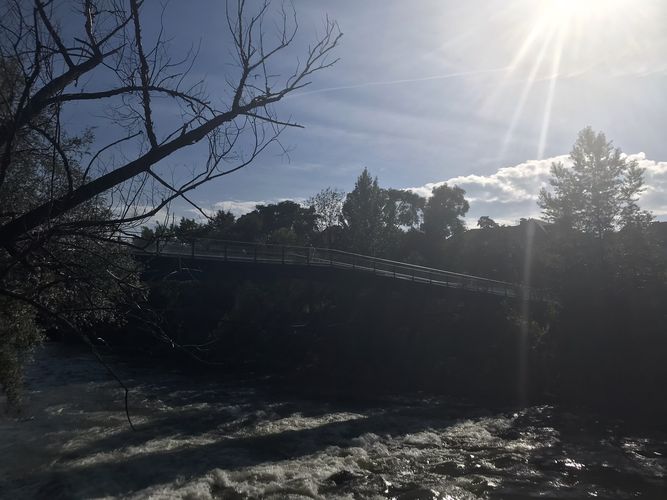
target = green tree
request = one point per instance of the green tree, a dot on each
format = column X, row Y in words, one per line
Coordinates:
column 248, row 227
column 443, row 212
column 599, row 193
column 403, row 209
column 286, row 222
column 328, row 206
column 220, row 224
column 287, row 216
column 362, row 214
column 486, row 222
column 188, row 229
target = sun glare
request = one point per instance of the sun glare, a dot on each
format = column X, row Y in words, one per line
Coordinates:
column 561, row 12
column 564, row 37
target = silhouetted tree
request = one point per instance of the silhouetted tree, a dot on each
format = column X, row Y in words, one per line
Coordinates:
column 58, row 69
column 403, row 209
column 443, row 212
column 302, row 221
column 486, row 222
column 248, row 227
column 188, row 229
column 362, row 214
column 60, row 217
column 220, row 225
column 328, row 206
column 599, row 192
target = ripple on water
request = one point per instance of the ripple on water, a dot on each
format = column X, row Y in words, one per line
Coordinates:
column 231, row 440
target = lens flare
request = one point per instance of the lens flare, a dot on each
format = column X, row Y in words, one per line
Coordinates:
column 559, row 32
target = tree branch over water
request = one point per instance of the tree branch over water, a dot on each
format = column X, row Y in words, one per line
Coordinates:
column 47, row 66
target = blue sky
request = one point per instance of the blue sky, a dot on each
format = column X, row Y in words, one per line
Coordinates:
column 428, row 91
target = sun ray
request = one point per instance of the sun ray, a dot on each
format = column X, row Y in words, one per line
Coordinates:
column 522, row 53
column 572, row 38
column 529, row 41
column 555, row 70
column 527, row 87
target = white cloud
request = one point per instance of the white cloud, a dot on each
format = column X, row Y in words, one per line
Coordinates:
column 506, row 195
column 237, row 207
column 511, row 192
column 655, row 196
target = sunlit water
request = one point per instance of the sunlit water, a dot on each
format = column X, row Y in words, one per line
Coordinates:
column 198, row 438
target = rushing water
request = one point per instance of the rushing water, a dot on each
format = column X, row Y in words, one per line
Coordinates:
column 237, row 439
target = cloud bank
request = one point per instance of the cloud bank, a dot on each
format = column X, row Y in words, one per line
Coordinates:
column 511, row 192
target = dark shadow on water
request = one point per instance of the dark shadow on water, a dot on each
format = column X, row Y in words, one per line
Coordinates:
column 586, row 456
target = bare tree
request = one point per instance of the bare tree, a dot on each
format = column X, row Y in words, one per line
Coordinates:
column 64, row 198
column 53, row 69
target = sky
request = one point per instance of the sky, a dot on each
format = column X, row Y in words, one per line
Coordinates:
column 484, row 94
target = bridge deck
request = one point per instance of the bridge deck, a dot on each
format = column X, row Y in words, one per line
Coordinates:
column 258, row 254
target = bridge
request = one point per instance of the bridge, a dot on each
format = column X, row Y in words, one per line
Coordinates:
column 258, row 254
column 261, row 254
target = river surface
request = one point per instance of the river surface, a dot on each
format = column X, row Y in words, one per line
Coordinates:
column 199, row 438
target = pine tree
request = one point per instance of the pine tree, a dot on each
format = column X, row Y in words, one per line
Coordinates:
column 599, row 193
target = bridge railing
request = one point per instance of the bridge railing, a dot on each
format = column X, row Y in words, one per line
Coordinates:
column 238, row 251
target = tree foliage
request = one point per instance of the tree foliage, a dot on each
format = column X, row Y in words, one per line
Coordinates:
column 599, row 193
column 486, row 222
column 328, row 206
column 362, row 214
column 443, row 212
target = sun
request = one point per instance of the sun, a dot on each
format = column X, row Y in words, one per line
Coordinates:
column 565, row 37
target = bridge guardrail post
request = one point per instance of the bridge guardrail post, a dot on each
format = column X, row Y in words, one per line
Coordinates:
column 254, row 257
column 282, row 256
column 192, row 248
column 225, row 250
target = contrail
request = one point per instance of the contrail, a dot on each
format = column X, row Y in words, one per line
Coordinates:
column 398, row 82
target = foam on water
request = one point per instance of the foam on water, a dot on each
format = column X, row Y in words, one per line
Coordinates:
column 202, row 439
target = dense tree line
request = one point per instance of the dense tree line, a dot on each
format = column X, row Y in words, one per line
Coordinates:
column 598, row 341
column 384, row 222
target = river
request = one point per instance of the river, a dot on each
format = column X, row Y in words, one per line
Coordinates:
column 235, row 438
